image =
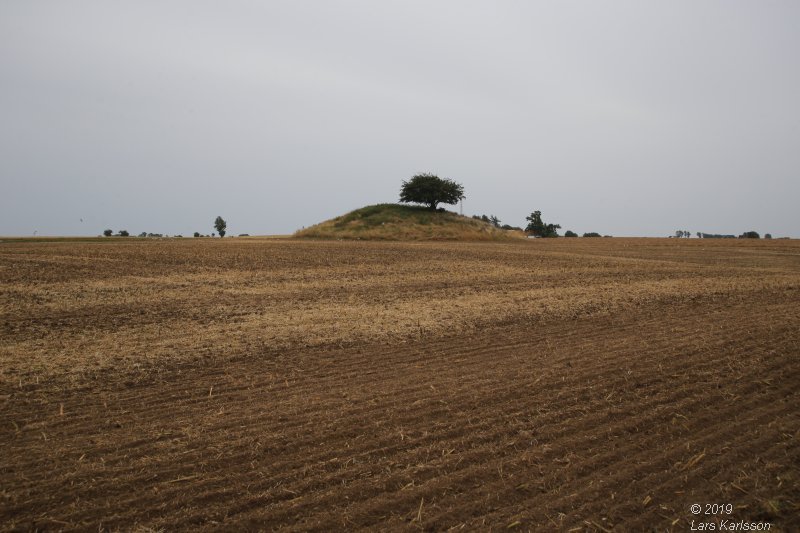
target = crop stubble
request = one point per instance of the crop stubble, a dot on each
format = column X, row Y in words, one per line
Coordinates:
column 577, row 383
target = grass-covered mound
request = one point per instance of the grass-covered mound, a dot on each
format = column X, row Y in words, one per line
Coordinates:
column 406, row 223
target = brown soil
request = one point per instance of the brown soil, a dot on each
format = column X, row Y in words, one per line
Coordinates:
column 570, row 385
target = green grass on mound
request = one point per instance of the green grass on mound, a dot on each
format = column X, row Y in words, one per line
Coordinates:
column 406, row 223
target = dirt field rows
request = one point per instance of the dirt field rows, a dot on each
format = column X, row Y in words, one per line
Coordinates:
column 569, row 384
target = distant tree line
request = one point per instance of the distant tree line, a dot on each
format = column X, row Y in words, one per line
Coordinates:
column 494, row 221
column 745, row 235
column 219, row 224
column 121, row 233
column 125, row 233
column 536, row 226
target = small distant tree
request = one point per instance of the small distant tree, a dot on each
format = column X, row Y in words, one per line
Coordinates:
column 196, row 233
column 123, row 233
column 768, row 235
column 108, row 232
column 220, row 226
column 570, row 233
column 535, row 224
column 491, row 219
column 750, row 235
column 699, row 235
column 431, row 190
column 591, row 234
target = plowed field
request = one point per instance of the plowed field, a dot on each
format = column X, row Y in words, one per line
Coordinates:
column 554, row 385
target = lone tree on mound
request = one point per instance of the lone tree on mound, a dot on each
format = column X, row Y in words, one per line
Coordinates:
column 431, row 190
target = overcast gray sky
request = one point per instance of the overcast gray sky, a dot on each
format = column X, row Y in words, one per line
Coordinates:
column 626, row 118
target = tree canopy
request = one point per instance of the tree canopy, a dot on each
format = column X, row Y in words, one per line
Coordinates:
column 538, row 228
column 431, row 190
column 220, row 226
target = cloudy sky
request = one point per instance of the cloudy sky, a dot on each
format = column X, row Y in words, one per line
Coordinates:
column 626, row 118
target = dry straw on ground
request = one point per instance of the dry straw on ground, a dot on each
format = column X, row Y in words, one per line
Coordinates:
column 572, row 383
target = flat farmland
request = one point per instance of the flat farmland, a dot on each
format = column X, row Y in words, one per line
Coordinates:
column 252, row 384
